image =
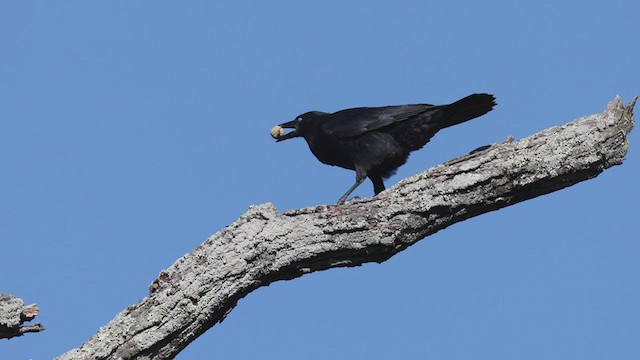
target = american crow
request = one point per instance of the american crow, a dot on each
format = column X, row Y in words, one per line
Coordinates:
column 376, row 141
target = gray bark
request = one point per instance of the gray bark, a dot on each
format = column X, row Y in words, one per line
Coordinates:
column 265, row 245
column 13, row 314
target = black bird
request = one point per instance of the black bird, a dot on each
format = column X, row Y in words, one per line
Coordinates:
column 375, row 141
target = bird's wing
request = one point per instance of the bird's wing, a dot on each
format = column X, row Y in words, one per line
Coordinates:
column 357, row 121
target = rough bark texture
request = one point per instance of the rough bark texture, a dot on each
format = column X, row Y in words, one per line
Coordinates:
column 13, row 313
column 265, row 245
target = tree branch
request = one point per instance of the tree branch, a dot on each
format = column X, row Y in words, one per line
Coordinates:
column 264, row 245
column 13, row 313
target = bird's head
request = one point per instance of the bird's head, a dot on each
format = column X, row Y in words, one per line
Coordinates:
column 302, row 125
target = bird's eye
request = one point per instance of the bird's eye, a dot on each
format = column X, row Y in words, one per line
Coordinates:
column 299, row 118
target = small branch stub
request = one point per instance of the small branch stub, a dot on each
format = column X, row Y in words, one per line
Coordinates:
column 13, row 314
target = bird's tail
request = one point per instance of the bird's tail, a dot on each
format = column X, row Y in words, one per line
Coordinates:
column 467, row 108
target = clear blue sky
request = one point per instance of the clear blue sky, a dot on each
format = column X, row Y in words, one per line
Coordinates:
column 131, row 131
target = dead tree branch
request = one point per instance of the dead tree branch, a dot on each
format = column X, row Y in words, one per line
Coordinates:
column 265, row 245
column 13, row 313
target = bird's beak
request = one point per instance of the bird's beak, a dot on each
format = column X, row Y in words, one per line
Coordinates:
column 292, row 134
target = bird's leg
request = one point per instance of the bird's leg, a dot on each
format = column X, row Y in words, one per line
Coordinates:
column 378, row 184
column 360, row 176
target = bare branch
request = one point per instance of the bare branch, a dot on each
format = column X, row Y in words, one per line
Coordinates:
column 13, row 313
column 264, row 245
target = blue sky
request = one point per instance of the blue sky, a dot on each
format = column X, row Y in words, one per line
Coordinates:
column 131, row 131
